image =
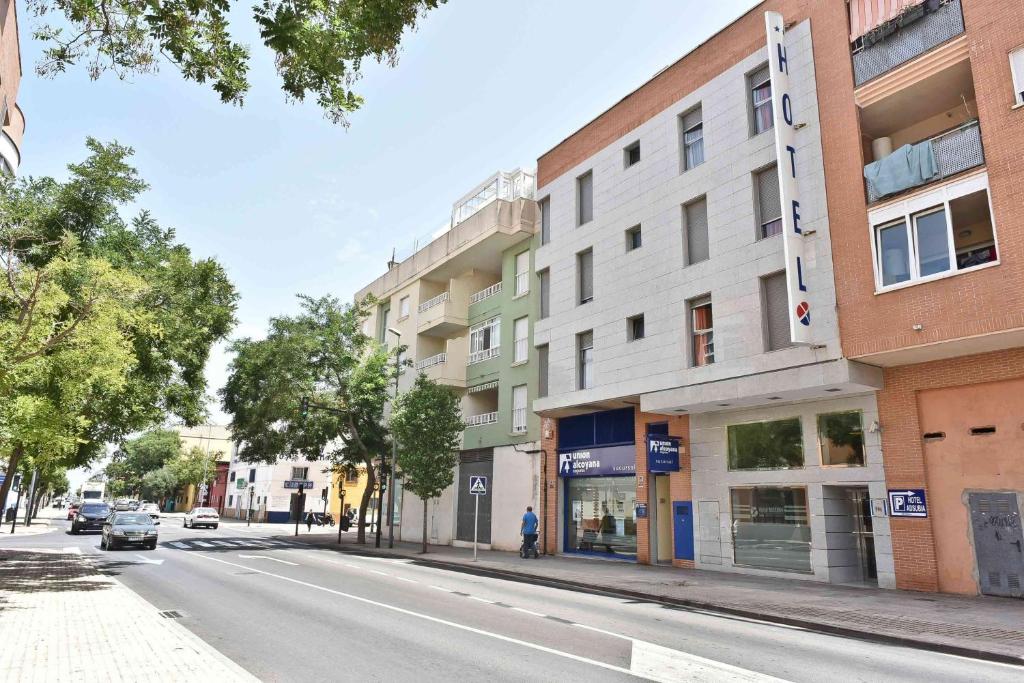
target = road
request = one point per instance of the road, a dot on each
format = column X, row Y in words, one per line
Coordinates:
column 285, row 611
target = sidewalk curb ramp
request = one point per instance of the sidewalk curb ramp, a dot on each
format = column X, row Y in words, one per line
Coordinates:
column 708, row 606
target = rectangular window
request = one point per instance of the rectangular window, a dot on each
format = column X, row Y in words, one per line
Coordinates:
column 542, row 371
column 484, row 340
column 520, row 339
column 232, row 477
column 522, row 273
column 585, row 275
column 692, row 125
column 771, row 445
column 252, row 476
column 631, row 155
column 545, row 220
column 300, row 473
column 769, row 203
column 635, row 327
column 231, row 501
column 382, row 331
column 585, row 356
column 841, row 438
column 519, row 409
column 634, row 240
column 695, row 219
column 702, row 332
column 585, row 198
column 545, row 293
column 775, row 306
column 760, row 88
column 1017, row 72
column 351, row 476
column 771, row 528
column 403, row 307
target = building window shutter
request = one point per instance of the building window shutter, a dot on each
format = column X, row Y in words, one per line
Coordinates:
column 542, row 373
column 586, row 268
column 545, row 293
column 545, row 221
column 585, row 198
column 776, row 311
column 697, row 232
column 769, row 204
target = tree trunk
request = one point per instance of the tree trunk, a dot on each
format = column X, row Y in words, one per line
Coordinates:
column 35, row 508
column 424, row 549
column 371, row 478
column 12, row 467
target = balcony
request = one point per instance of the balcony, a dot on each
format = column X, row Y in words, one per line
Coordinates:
column 482, row 419
column 483, row 294
column 440, row 316
column 508, row 186
column 903, row 39
column 482, row 355
column 430, row 362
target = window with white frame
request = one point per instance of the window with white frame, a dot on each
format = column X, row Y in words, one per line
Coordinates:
column 403, row 307
column 934, row 235
column 692, row 124
column 485, row 340
column 522, row 273
column 520, row 334
column 519, row 409
column 1017, row 73
column 702, row 332
column 300, row 473
column 585, row 355
column 760, row 87
column 769, row 202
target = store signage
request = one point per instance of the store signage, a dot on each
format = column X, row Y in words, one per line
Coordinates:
column 599, row 461
column 239, row 483
column 907, row 503
column 801, row 330
column 662, row 453
column 296, row 483
column 641, row 510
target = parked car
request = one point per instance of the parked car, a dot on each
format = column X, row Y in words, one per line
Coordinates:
column 151, row 509
column 125, row 528
column 133, row 505
column 90, row 516
column 72, row 511
column 207, row 517
column 121, row 505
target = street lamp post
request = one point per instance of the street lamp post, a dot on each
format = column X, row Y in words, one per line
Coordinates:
column 381, row 486
column 248, row 517
column 394, row 449
column 341, row 507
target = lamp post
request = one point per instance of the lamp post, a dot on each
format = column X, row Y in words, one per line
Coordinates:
column 394, row 447
column 248, row 517
column 380, row 487
column 341, row 507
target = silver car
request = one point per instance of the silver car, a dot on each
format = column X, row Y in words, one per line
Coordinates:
column 128, row 528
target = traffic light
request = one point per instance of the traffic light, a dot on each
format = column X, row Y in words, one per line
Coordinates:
column 304, row 407
column 323, row 493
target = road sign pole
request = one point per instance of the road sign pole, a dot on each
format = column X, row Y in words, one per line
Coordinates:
column 299, row 503
column 476, row 523
column 341, row 506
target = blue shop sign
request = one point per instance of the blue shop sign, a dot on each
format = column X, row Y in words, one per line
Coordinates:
column 662, row 453
column 598, row 461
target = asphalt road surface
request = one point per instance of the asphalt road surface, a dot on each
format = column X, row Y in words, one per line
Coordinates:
column 290, row 612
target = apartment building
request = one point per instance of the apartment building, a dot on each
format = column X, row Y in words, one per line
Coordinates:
column 464, row 305
column 12, row 121
column 929, row 247
column 269, row 492
column 697, row 405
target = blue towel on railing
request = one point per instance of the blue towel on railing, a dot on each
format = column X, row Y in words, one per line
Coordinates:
column 908, row 166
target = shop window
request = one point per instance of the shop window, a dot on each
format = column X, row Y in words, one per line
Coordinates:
column 841, row 438
column 771, row 445
column 770, row 528
column 702, row 332
column 600, row 518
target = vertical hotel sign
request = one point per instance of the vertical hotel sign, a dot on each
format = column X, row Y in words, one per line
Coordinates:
column 800, row 329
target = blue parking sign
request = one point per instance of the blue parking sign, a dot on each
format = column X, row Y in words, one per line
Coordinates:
column 907, row 503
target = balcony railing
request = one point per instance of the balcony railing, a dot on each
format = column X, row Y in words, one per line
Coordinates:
column 485, row 293
column 432, row 361
column 485, row 354
column 908, row 42
column 435, row 301
column 955, row 151
column 501, row 185
column 482, row 419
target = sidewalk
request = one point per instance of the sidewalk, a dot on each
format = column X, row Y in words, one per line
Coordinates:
column 61, row 619
column 980, row 627
column 42, row 523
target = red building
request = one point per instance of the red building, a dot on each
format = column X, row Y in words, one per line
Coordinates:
column 219, row 487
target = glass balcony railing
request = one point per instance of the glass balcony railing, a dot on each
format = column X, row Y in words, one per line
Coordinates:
column 906, row 42
column 501, row 185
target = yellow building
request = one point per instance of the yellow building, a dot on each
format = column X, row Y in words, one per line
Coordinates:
column 211, row 439
column 353, row 483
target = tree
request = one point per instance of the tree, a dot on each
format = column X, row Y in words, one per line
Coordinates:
column 160, row 484
column 318, row 45
column 321, row 353
column 195, row 466
column 427, row 423
column 139, row 456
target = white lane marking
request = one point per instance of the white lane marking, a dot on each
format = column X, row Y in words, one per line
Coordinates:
column 402, row 578
column 225, row 544
column 527, row 611
column 441, row 588
column 427, row 617
column 489, row 602
column 204, row 544
column 664, row 664
column 597, row 630
column 146, row 560
column 72, row 550
column 376, row 571
column 265, row 557
column 179, row 545
column 354, row 566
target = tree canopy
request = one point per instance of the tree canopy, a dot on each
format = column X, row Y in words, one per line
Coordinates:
column 140, row 456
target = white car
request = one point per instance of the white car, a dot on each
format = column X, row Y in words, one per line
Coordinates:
column 151, row 509
column 207, row 517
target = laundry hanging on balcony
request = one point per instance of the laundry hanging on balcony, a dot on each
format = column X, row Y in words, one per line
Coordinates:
column 877, row 19
column 908, row 166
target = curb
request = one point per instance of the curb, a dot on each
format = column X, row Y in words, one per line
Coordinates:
column 816, row 626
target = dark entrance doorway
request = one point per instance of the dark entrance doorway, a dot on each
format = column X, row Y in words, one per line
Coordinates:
column 998, row 543
column 475, row 462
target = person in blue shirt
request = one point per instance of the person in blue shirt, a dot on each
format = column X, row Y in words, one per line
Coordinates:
column 529, row 532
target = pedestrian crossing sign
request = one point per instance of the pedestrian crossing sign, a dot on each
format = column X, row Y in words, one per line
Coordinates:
column 478, row 485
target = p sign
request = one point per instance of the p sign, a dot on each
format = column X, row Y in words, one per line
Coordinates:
column 908, row 503
column 477, row 485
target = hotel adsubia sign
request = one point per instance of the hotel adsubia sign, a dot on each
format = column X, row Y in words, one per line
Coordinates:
column 800, row 329
column 662, row 453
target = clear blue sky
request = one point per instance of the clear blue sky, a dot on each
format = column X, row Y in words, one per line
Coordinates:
column 291, row 203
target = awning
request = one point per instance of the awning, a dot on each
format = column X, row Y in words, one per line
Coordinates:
column 866, row 15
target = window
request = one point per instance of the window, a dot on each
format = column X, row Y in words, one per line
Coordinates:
column 1017, row 72
column 519, row 409
column 231, row 477
column 702, row 332
column 775, row 307
column 760, row 87
column 382, row 331
column 300, row 472
column 769, row 203
column 631, row 155
column 585, row 198
column 403, row 307
column 770, row 528
column 585, row 275
column 231, row 500
column 771, row 445
column 841, row 438
column 542, row 371
column 545, row 293
column 695, row 219
column 635, row 327
column 956, row 234
column 522, row 273
column 252, row 476
column 484, row 340
column 692, row 125
column 585, row 346
column 520, row 339
column 633, row 238
column 545, row 220
column 351, row 476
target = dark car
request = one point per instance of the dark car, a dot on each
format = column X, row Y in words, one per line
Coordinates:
column 127, row 528
column 90, row 516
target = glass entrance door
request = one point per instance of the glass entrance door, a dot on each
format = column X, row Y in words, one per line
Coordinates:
column 599, row 516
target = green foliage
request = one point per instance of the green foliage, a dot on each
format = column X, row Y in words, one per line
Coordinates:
column 318, row 45
column 140, row 456
column 160, row 484
column 195, row 466
column 428, row 425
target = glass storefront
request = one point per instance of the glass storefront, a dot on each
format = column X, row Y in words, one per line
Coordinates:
column 599, row 515
column 771, row 529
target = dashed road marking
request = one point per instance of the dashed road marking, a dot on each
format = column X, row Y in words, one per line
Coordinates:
column 489, row 602
column 179, row 545
column 529, row 611
column 204, row 544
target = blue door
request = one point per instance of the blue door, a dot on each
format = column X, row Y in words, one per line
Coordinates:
column 682, row 524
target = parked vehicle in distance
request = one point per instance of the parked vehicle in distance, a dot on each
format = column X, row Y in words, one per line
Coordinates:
column 133, row 505
column 126, row 528
column 207, row 517
column 151, row 509
column 121, row 505
column 72, row 511
column 90, row 516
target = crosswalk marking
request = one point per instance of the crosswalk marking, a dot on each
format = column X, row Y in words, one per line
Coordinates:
column 204, row 544
column 179, row 545
column 226, row 544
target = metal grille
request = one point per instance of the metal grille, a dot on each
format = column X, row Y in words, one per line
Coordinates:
column 171, row 614
column 907, row 43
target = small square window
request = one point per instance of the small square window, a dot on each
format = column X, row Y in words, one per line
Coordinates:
column 1017, row 73
column 633, row 238
column 635, row 327
column 632, row 154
